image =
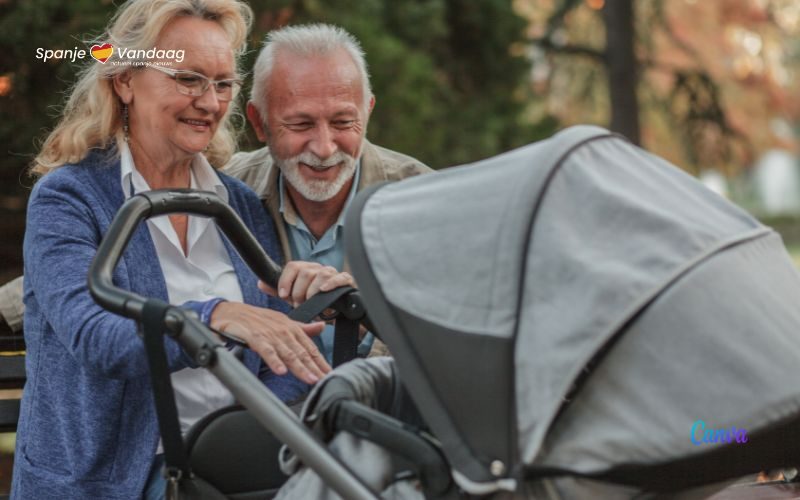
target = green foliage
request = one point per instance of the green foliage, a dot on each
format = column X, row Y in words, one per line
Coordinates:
column 38, row 87
column 448, row 88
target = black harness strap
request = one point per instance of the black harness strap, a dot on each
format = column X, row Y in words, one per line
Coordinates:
column 345, row 339
column 176, row 462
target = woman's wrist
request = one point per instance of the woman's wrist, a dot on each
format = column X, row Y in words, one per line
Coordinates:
column 208, row 310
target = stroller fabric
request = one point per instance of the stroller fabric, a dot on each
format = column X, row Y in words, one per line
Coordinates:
column 575, row 306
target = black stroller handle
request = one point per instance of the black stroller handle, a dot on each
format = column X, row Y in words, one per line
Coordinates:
column 204, row 203
column 198, row 341
column 162, row 202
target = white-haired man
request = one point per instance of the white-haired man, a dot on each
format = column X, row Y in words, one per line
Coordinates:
column 310, row 104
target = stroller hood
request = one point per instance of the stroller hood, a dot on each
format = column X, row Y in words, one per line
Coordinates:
column 578, row 305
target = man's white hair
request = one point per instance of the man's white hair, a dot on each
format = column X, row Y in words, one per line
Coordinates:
column 307, row 40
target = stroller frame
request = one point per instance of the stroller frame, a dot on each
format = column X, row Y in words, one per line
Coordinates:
column 198, row 341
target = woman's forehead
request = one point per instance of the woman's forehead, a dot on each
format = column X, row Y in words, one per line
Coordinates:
column 204, row 43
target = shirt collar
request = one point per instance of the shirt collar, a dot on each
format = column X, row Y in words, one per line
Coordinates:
column 203, row 175
column 290, row 215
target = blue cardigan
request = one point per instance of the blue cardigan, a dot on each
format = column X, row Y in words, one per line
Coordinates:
column 87, row 426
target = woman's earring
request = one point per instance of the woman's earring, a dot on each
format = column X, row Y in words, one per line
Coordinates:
column 125, row 126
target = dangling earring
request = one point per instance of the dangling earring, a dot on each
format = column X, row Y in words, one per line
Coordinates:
column 125, row 125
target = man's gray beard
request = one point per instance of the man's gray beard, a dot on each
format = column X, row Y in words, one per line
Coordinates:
column 316, row 190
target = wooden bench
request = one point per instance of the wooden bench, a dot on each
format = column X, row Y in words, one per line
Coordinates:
column 12, row 380
column 12, row 376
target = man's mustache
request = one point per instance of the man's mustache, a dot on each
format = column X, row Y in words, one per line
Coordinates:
column 314, row 161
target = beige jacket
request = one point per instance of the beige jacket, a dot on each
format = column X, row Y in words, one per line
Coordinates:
column 256, row 169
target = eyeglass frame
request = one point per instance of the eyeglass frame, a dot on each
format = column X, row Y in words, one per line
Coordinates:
column 236, row 83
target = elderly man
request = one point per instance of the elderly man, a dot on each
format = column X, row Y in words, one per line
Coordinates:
column 310, row 104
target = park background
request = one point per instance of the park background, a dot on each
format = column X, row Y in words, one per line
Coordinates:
column 709, row 85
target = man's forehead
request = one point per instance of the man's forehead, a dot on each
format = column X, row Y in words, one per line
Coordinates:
column 322, row 89
column 333, row 81
column 335, row 72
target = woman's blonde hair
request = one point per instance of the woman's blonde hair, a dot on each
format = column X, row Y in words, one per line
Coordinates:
column 92, row 116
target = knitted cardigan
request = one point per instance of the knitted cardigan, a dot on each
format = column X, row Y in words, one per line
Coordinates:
column 87, row 426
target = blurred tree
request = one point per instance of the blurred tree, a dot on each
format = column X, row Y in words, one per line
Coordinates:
column 31, row 92
column 709, row 78
column 450, row 86
column 623, row 69
column 34, row 89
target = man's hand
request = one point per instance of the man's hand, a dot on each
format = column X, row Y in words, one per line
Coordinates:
column 301, row 280
column 281, row 342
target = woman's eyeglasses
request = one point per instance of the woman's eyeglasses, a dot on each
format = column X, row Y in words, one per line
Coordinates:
column 195, row 84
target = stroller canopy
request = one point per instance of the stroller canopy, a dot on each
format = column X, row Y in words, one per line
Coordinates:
column 577, row 305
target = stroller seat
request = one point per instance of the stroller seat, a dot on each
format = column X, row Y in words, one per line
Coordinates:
column 231, row 450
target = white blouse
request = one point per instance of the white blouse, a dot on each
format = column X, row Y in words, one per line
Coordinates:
column 203, row 273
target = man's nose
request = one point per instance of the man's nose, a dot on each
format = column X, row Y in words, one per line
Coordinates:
column 323, row 144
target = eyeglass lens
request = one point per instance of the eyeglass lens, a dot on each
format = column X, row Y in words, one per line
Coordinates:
column 196, row 85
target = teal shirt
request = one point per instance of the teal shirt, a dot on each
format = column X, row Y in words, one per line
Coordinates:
column 328, row 251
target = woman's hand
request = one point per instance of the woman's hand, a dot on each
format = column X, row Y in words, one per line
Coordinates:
column 301, row 280
column 281, row 342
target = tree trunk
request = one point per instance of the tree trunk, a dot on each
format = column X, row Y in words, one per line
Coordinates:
column 622, row 68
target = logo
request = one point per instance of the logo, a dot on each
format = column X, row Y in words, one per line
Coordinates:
column 117, row 56
column 102, row 52
column 702, row 435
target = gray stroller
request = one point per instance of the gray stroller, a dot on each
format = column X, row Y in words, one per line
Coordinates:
column 576, row 315
column 573, row 319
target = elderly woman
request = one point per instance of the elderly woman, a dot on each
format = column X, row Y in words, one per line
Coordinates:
column 87, row 425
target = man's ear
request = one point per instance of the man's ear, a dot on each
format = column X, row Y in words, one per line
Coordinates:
column 254, row 117
column 371, row 105
column 123, row 86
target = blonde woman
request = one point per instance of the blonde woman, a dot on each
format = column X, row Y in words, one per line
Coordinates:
column 87, row 424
